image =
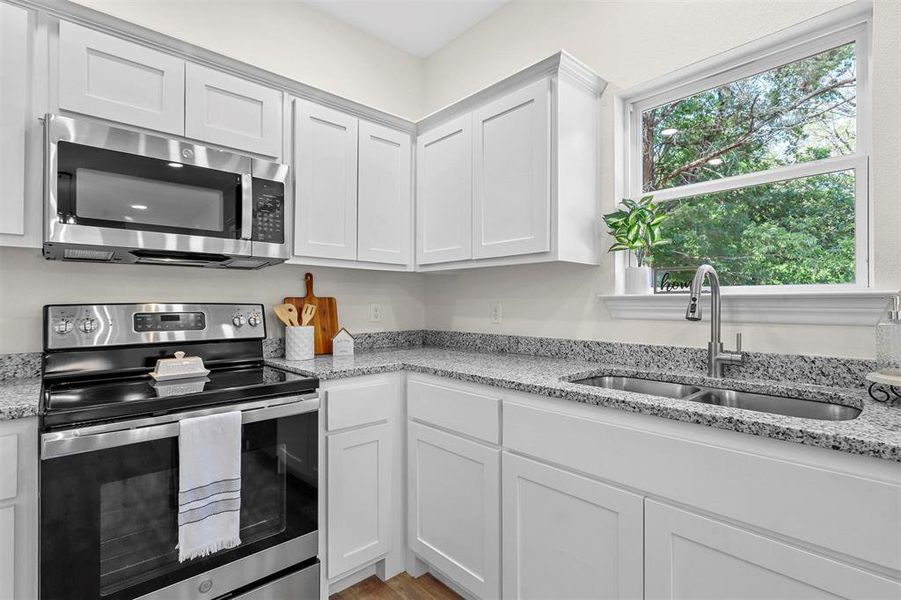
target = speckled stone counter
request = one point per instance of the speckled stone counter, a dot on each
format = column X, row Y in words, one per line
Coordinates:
column 876, row 432
column 19, row 397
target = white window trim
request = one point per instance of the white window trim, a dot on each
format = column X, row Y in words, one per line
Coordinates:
column 851, row 23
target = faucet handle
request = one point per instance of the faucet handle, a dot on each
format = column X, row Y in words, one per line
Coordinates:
column 738, row 343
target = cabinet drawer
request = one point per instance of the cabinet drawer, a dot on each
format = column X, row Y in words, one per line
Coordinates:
column 454, row 408
column 8, row 466
column 358, row 404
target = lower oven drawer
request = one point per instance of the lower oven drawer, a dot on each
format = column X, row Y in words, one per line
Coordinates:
column 299, row 585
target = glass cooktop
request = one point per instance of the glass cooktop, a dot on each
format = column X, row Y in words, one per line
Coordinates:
column 80, row 401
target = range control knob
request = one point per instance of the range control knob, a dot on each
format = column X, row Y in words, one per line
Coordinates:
column 63, row 326
column 238, row 320
column 88, row 325
column 254, row 320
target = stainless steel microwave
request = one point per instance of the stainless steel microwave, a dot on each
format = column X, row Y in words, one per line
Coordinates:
column 120, row 196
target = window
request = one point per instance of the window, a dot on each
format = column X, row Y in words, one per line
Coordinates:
column 761, row 164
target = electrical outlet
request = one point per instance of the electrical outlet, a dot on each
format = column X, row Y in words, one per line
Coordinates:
column 375, row 313
column 496, row 313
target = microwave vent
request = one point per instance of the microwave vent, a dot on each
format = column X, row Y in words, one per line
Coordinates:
column 87, row 254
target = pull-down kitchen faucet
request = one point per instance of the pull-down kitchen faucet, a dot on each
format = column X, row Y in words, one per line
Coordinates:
column 716, row 356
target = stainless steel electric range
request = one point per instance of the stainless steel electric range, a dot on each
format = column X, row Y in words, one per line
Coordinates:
column 109, row 455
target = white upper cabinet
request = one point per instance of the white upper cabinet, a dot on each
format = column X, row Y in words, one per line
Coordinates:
column 110, row 78
column 325, row 161
column 14, row 118
column 444, row 193
column 229, row 111
column 511, row 174
column 385, row 201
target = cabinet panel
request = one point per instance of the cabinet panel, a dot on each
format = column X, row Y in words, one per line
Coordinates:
column 454, row 515
column 325, row 223
column 7, row 552
column 14, row 111
column 568, row 537
column 229, row 111
column 690, row 556
column 359, row 497
column 511, row 199
column 107, row 77
column 9, row 466
column 444, row 192
column 385, row 195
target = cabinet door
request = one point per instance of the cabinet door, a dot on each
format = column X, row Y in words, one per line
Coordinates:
column 568, row 537
column 359, row 497
column 7, row 552
column 511, row 200
column 454, row 514
column 14, row 111
column 110, row 78
column 690, row 556
column 229, row 111
column 385, row 195
column 444, row 193
column 325, row 216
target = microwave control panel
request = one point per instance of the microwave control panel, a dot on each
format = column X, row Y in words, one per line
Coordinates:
column 268, row 211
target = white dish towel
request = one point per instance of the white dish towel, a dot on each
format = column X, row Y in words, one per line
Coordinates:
column 209, row 484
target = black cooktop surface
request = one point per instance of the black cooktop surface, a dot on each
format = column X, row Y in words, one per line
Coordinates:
column 107, row 398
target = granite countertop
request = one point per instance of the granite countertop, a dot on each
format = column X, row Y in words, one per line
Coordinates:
column 19, row 397
column 876, row 432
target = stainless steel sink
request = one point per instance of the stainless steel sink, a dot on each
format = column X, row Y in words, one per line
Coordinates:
column 793, row 407
column 780, row 405
column 642, row 386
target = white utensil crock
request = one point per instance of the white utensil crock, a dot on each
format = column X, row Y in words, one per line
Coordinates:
column 299, row 343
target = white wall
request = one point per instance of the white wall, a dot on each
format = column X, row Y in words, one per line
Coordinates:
column 629, row 42
column 27, row 282
column 290, row 39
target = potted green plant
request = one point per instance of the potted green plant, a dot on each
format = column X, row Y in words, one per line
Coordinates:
column 636, row 229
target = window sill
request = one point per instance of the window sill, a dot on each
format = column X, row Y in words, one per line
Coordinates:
column 853, row 307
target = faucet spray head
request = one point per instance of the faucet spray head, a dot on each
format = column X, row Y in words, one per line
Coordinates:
column 694, row 308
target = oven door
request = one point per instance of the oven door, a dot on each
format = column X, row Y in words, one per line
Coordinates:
column 118, row 188
column 109, row 506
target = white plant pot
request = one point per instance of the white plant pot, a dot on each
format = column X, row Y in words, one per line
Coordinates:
column 638, row 280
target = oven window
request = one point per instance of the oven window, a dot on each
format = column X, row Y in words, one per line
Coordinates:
column 109, row 518
column 116, row 197
column 104, row 188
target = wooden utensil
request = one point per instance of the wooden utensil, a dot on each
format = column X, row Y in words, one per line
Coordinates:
column 325, row 320
column 287, row 314
column 307, row 314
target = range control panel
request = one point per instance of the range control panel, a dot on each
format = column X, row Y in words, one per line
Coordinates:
column 69, row 326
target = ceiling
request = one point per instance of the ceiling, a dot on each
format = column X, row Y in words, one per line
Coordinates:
column 419, row 27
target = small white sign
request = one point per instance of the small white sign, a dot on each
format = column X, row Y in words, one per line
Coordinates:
column 343, row 343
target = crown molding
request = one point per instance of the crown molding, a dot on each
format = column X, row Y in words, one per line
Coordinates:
column 859, row 308
column 562, row 64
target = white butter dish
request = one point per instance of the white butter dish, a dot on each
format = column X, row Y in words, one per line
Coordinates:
column 180, row 367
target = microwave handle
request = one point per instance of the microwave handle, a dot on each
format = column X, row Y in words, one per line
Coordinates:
column 56, row 445
column 246, row 206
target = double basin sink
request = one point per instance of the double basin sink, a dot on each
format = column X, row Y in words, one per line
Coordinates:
column 780, row 405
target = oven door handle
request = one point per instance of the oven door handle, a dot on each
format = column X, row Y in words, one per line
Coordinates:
column 102, row 437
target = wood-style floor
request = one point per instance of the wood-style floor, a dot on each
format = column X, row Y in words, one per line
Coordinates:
column 401, row 587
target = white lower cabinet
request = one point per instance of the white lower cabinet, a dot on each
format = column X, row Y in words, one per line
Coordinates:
column 568, row 537
column 454, row 507
column 18, row 509
column 690, row 556
column 359, row 497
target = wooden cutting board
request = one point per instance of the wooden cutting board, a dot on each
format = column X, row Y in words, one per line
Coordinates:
column 326, row 319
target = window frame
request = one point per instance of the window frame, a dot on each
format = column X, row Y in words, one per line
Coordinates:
column 787, row 46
